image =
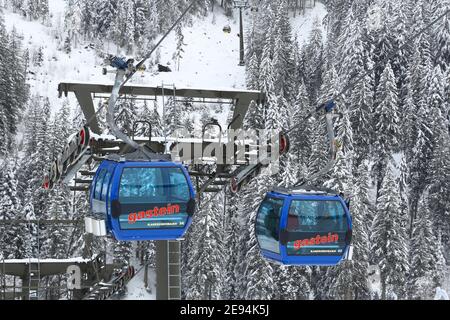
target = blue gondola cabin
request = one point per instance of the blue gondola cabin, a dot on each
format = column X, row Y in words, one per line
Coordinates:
column 143, row 200
column 302, row 227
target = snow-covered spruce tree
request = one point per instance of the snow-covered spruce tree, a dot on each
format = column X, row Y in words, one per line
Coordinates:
column 31, row 231
column 140, row 14
column 88, row 19
column 104, row 18
column 13, row 87
column 340, row 282
column 168, row 11
column 386, row 119
column 38, row 152
column 416, row 90
column 355, row 61
column 254, row 119
column 173, row 116
column 255, row 275
column 255, row 36
column 301, row 134
column 357, row 287
column 126, row 115
column 54, row 238
column 13, row 236
column 398, row 20
column 440, row 185
column 430, row 125
column 54, row 242
column 231, row 247
column 266, row 75
column 72, row 23
column 442, row 44
column 337, row 11
column 43, row 10
column 31, row 9
column 123, row 33
column 283, row 62
column 204, row 275
column 151, row 29
column 146, row 113
column 389, row 240
column 344, row 136
column 19, row 89
column 383, row 45
column 178, row 54
column 122, row 252
column 425, row 256
column 252, row 72
column 61, row 128
column 404, row 190
column 314, row 60
column 4, row 86
column 38, row 57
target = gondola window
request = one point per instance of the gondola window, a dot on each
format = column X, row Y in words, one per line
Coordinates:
column 268, row 224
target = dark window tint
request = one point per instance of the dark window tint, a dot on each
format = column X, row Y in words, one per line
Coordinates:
column 268, row 224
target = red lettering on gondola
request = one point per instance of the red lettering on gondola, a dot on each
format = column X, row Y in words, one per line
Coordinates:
column 155, row 212
column 331, row 238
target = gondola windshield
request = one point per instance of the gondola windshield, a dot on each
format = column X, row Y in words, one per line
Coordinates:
column 320, row 226
column 153, row 198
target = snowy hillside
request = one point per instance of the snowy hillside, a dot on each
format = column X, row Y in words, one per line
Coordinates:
column 210, row 60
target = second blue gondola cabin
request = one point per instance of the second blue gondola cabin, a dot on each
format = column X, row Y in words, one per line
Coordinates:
column 304, row 227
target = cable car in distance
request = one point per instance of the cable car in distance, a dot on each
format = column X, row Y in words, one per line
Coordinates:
column 304, row 227
column 143, row 200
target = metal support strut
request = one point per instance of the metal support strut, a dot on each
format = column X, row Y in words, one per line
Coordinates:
column 332, row 153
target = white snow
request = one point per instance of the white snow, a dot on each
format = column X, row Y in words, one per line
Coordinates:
column 374, row 280
column 441, row 294
column 136, row 289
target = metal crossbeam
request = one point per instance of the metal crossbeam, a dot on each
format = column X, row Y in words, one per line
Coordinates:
column 84, row 93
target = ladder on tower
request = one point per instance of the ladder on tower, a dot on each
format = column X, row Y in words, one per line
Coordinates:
column 34, row 267
column 174, row 270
